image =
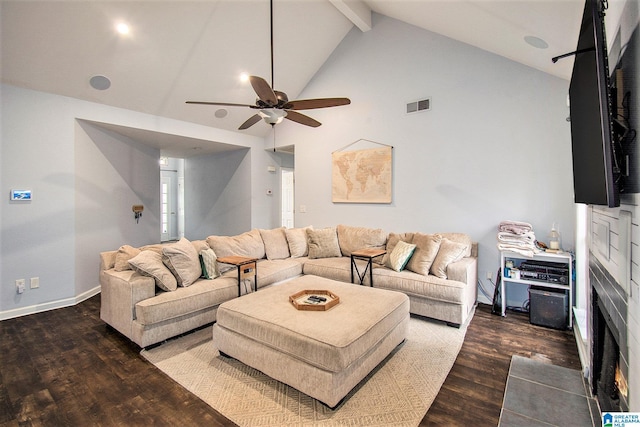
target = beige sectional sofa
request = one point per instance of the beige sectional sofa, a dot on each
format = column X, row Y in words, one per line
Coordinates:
column 153, row 293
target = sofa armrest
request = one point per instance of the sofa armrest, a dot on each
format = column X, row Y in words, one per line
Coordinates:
column 121, row 291
column 465, row 271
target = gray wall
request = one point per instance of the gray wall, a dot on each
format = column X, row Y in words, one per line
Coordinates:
column 495, row 146
column 84, row 180
column 218, row 194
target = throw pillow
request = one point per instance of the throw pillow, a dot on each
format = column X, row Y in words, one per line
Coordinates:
column 392, row 241
column 351, row 238
column 275, row 243
column 449, row 252
column 149, row 263
column 208, row 264
column 400, row 255
column 182, row 259
column 463, row 238
column 323, row 243
column 297, row 240
column 427, row 246
column 124, row 254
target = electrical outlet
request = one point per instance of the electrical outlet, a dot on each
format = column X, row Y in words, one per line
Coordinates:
column 489, row 275
column 303, row 208
column 20, row 284
column 35, row 282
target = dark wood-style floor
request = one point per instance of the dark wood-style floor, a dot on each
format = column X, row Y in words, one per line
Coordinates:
column 65, row 367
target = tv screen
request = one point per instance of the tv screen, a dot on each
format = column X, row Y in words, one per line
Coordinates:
column 594, row 170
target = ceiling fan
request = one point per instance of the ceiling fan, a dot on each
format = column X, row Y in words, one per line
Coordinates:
column 273, row 105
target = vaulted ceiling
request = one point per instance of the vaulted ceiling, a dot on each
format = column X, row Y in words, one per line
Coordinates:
column 195, row 50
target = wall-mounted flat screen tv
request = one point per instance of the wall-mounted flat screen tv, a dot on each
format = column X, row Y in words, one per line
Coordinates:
column 594, row 169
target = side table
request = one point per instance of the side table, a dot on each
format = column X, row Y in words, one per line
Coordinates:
column 368, row 255
column 247, row 268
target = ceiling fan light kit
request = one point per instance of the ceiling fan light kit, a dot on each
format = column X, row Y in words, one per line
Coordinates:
column 273, row 116
column 274, row 105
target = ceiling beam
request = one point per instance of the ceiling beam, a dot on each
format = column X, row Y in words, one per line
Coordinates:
column 356, row 11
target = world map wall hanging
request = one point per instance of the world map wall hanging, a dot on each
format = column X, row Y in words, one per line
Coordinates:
column 362, row 176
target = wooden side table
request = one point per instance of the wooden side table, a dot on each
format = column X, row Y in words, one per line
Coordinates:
column 367, row 254
column 247, row 268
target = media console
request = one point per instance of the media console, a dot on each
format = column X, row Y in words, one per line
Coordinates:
column 547, row 271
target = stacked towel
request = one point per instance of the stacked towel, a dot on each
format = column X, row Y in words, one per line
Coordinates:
column 516, row 236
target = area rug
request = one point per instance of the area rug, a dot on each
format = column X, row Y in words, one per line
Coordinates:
column 397, row 393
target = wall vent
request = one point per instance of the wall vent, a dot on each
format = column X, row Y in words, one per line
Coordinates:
column 418, row 106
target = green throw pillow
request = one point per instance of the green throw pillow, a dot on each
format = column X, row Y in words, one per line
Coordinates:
column 400, row 255
column 209, row 264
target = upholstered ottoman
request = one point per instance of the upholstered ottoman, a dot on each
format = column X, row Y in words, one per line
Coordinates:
column 323, row 354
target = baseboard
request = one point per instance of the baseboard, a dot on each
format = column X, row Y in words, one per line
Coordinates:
column 52, row 305
column 581, row 337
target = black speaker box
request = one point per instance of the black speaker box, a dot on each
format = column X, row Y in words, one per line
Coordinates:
column 548, row 308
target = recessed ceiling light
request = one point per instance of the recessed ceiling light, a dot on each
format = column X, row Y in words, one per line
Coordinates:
column 536, row 42
column 100, row 82
column 122, row 28
column 244, row 77
column 221, row 113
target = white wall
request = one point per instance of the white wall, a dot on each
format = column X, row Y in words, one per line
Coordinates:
column 495, row 146
column 84, row 181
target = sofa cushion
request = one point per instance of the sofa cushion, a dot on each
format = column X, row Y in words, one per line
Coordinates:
column 392, row 241
column 273, row 271
column 247, row 244
column 323, row 243
column 297, row 240
column 426, row 250
column 202, row 294
column 182, row 259
column 449, row 252
column 400, row 255
column 336, row 268
column 149, row 263
column 124, row 254
column 199, row 245
column 419, row 285
column 275, row 243
column 353, row 238
column 208, row 264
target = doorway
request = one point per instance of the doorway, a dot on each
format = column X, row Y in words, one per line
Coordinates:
column 171, row 199
column 287, row 183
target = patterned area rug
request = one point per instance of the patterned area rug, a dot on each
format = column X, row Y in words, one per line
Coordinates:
column 397, row 393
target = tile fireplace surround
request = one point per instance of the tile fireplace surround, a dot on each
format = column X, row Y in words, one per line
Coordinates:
column 608, row 312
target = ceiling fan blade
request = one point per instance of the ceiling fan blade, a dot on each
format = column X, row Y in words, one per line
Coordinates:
column 226, row 104
column 302, row 119
column 250, row 122
column 263, row 90
column 309, row 104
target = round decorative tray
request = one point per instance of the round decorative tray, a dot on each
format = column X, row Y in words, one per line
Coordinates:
column 314, row 300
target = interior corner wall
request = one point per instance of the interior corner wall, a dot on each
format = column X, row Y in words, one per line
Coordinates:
column 112, row 173
column 494, row 146
column 217, row 194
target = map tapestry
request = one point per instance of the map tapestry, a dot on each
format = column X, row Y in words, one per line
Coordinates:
column 361, row 176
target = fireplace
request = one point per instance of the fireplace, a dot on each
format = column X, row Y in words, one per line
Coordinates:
column 608, row 340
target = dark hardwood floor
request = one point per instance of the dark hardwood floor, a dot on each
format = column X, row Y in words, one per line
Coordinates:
column 65, row 367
